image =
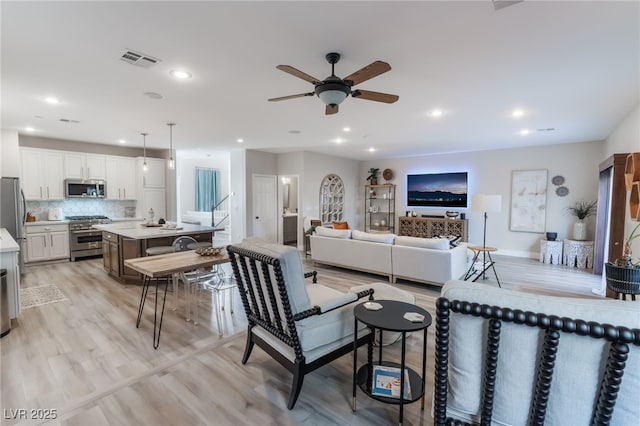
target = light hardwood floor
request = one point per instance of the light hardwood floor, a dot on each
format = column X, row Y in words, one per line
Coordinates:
column 85, row 358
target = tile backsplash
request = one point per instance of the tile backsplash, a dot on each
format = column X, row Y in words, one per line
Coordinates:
column 80, row 207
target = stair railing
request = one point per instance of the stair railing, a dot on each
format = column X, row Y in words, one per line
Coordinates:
column 222, row 206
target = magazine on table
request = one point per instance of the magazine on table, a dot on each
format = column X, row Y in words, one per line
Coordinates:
column 386, row 382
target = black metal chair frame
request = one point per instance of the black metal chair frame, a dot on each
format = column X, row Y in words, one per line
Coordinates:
column 247, row 267
column 619, row 337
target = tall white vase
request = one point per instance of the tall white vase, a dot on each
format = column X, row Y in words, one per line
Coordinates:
column 580, row 230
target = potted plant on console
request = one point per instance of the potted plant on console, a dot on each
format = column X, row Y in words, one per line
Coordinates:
column 373, row 175
column 582, row 210
column 623, row 276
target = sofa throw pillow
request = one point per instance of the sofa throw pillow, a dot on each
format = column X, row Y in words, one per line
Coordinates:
column 432, row 243
column 376, row 238
column 323, row 231
column 454, row 240
column 340, row 225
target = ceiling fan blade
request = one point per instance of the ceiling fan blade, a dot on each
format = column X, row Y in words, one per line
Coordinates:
column 284, row 98
column 331, row 109
column 296, row 72
column 374, row 96
column 374, row 69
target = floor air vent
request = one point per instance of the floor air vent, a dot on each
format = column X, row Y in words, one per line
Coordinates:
column 139, row 59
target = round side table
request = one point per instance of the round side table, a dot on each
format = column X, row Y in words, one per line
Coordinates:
column 390, row 318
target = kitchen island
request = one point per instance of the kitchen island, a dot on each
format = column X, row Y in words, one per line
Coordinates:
column 9, row 252
column 129, row 240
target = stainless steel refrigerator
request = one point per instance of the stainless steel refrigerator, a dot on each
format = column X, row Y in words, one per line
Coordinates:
column 13, row 212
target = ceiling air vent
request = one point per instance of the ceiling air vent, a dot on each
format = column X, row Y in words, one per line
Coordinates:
column 499, row 4
column 139, row 59
column 66, row 120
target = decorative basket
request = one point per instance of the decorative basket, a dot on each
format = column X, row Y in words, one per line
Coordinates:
column 623, row 280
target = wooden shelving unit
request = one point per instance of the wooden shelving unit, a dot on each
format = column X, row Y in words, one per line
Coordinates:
column 632, row 182
column 634, row 201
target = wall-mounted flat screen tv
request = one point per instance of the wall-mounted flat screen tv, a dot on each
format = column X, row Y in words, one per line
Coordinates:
column 437, row 190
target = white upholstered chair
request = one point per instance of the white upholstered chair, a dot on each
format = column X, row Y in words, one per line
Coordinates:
column 301, row 325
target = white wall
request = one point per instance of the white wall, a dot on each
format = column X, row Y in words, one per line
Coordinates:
column 316, row 167
column 626, row 138
column 490, row 173
column 9, row 153
column 237, row 195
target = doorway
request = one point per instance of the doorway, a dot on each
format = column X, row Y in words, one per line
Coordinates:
column 288, row 204
column 265, row 197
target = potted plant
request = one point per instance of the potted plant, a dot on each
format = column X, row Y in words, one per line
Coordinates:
column 582, row 210
column 373, row 175
column 623, row 276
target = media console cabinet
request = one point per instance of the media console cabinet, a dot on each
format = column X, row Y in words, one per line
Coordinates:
column 430, row 227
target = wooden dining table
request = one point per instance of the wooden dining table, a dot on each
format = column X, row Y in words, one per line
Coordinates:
column 163, row 268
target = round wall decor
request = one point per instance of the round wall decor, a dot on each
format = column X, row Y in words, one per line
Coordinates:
column 561, row 191
column 387, row 174
column 557, row 180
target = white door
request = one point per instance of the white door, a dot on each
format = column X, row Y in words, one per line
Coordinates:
column 265, row 201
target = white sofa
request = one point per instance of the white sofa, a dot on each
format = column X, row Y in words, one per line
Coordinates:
column 336, row 247
column 385, row 254
column 427, row 264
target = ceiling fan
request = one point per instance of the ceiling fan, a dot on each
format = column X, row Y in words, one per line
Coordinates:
column 333, row 90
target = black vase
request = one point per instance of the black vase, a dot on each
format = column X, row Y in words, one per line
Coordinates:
column 551, row 236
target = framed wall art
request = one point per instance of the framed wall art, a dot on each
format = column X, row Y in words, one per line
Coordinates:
column 528, row 200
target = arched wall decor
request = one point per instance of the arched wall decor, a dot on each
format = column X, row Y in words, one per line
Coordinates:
column 331, row 199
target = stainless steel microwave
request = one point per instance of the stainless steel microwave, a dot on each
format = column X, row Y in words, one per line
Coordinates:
column 84, row 188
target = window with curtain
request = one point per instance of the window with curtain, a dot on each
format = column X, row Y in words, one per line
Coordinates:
column 207, row 189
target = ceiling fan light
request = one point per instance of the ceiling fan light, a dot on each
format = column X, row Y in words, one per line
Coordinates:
column 332, row 97
column 332, row 93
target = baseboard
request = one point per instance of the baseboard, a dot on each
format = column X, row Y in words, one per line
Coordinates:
column 518, row 253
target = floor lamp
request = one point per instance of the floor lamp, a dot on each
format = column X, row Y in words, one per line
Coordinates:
column 486, row 204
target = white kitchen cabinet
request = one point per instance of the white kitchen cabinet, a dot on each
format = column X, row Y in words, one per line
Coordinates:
column 154, row 177
column 78, row 165
column 47, row 242
column 42, row 174
column 153, row 199
column 120, row 178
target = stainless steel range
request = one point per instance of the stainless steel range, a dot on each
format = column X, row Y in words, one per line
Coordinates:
column 84, row 240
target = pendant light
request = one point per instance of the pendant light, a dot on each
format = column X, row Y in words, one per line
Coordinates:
column 144, row 151
column 171, row 164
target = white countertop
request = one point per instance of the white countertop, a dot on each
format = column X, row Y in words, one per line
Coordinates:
column 136, row 231
column 46, row 222
column 7, row 243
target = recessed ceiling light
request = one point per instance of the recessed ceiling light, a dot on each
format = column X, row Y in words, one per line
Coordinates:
column 29, row 129
column 239, row 140
column 51, row 100
column 435, row 113
column 517, row 113
column 122, row 141
column 372, row 150
column 346, row 129
column 339, row 140
column 524, row 132
column 180, row 74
